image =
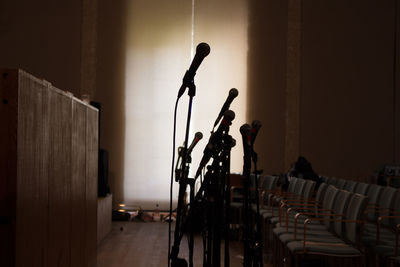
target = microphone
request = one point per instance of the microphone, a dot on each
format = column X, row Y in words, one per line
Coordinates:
column 202, row 50
column 245, row 130
column 215, row 138
column 197, row 137
column 233, row 93
column 256, row 125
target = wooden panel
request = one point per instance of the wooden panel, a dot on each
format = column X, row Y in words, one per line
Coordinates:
column 91, row 186
column 59, row 180
column 32, row 176
column 78, row 184
column 8, row 160
column 48, row 181
column 104, row 218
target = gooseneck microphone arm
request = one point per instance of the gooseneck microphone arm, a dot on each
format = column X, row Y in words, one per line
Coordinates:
column 258, row 245
column 245, row 131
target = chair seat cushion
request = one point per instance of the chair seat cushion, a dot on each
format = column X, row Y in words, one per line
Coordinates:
column 336, row 249
column 326, row 237
column 311, row 230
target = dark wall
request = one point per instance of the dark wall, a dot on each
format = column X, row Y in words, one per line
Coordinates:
column 348, row 98
column 44, row 38
column 266, row 77
column 347, row 113
column 110, row 89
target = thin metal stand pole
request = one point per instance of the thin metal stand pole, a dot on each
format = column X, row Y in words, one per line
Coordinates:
column 182, row 183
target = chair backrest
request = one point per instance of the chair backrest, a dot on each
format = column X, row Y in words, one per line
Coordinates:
column 260, row 181
column 361, row 188
column 339, row 207
column 329, row 198
column 269, row 182
column 355, row 211
column 386, row 202
column 396, row 208
column 292, row 184
column 319, row 197
column 299, row 187
column 331, row 180
column 341, row 183
column 350, row 186
column 308, row 189
column 374, row 192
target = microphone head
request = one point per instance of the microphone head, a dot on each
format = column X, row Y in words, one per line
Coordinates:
column 245, row 129
column 229, row 115
column 198, row 135
column 233, row 142
column 203, row 49
column 233, row 93
column 256, row 124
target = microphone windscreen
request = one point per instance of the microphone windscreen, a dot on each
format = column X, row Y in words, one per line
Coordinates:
column 198, row 135
column 203, row 49
column 245, row 129
column 229, row 115
column 233, row 92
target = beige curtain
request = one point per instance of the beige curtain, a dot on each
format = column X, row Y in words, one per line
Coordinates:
column 159, row 43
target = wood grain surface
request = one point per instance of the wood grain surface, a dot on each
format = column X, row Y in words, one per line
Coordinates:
column 59, row 215
column 78, row 185
column 92, row 149
column 32, row 177
column 48, row 181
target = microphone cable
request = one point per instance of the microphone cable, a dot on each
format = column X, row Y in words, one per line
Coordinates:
column 172, row 182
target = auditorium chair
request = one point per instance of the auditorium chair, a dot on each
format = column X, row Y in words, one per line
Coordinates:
column 317, row 232
column 342, row 245
column 350, row 186
column 379, row 236
column 296, row 189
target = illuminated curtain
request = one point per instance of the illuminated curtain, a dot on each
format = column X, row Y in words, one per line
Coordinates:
column 159, row 43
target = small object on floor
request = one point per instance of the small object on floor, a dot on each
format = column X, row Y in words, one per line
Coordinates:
column 120, row 215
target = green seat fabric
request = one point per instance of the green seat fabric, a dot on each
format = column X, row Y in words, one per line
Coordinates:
column 322, row 237
column 342, row 250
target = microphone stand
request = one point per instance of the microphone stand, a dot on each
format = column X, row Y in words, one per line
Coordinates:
column 247, row 250
column 252, row 241
column 257, row 246
column 213, row 194
column 226, row 172
column 183, row 182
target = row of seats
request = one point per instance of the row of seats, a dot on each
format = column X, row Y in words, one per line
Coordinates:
column 344, row 220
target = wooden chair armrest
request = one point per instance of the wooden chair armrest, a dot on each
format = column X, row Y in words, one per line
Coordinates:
column 375, row 208
column 292, row 207
column 323, row 214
